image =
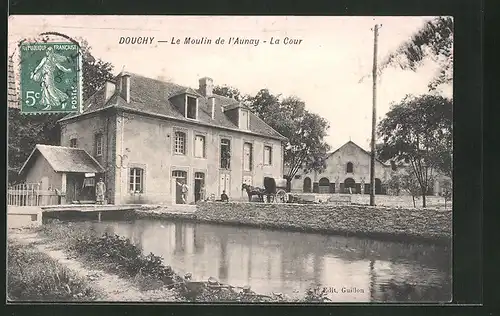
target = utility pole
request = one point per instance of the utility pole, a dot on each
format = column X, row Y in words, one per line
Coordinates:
column 374, row 116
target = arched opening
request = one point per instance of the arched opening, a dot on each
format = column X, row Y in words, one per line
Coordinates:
column 378, row 186
column 307, row 185
column 324, row 186
column 349, row 185
column 350, row 167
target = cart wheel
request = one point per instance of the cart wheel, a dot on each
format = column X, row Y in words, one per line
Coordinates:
column 281, row 196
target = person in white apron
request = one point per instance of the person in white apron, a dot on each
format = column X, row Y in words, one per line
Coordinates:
column 100, row 191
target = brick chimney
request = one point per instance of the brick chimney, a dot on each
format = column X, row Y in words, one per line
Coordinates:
column 109, row 90
column 125, row 90
column 206, row 86
column 123, row 85
column 211, row 107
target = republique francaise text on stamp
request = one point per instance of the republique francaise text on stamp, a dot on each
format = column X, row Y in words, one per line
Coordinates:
column 51, row 78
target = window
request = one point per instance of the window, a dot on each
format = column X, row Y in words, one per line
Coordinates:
column 98, row 144
column 268, row 155
column 349, row 168
column 247, row 157
column 179, row 174
column 225, row 153
column 191, row 107
column 180, row 143
column 244, row 119
column 136, row 180
column 73, row 143
column 199, row 146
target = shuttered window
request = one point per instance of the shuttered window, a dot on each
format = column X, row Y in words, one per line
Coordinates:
column 199, row 146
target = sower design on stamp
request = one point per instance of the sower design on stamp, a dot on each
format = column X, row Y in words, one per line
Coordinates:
column 50, row 78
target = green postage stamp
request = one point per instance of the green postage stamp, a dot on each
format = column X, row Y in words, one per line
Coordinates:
column 51, row 78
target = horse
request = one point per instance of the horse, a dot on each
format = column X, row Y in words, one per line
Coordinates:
column 251, row 191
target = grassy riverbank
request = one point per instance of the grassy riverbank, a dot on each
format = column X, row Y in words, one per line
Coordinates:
column 115, row 255
column 34, row 276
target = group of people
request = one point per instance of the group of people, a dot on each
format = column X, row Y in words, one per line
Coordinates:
column 100, row 189
column 185, row 189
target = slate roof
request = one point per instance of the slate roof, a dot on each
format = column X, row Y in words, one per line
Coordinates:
column 151, row 96
column 66, row 159
column 363, row 150
column 12, row 90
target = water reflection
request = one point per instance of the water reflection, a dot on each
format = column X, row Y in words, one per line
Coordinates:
column 352, row 269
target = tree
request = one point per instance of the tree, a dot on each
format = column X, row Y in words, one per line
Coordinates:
column 394, row 184
column 264, row 103
column 25, row 131
column 95, row 71
column 415, row 132
column 447, row 191
column 435, row 41
column 306, row 148
column 410, row 184
column 228, row 91
column 305, row 131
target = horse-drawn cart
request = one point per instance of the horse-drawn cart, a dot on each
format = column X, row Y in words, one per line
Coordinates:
column 275, row 190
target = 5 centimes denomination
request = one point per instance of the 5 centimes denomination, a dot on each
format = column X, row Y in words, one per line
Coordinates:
column 50, row 78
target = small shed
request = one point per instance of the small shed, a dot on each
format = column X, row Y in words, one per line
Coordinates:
column 69, row 172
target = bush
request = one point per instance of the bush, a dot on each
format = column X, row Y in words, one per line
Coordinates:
column 34, row 276
column 124, row 256
column 314, row 295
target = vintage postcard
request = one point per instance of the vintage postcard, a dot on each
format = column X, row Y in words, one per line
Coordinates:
column 230, row 159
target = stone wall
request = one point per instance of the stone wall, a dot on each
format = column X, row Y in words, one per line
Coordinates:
column 405, row 201
column 375, row 222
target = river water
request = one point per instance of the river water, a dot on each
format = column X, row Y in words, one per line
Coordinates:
column 351, row 269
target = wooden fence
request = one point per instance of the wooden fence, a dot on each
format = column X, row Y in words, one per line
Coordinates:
column 30, row 194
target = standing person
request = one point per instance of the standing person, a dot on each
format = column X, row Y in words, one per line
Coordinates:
column 100, row 191
column 202, row 192
column 184, row 191
column 224, row 197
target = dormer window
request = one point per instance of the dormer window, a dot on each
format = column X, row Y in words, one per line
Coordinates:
column 191, row 107
column 244, row 119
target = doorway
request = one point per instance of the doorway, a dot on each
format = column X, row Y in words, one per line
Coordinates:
column 224, row 183
column 378, row 186
column 324, row 186
column 74, row 184
column 307, row 185
column 199, row 183
column 178, row 177
column 350, row 185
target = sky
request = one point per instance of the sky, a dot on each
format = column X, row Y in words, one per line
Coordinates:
column 324, row 70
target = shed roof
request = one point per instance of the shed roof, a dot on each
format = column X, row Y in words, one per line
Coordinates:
column 65, row 159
